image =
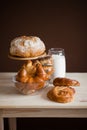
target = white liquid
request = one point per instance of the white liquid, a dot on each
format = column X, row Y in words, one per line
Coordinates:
column 59, row 66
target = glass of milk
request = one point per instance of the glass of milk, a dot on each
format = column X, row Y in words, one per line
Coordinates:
column 59, row 62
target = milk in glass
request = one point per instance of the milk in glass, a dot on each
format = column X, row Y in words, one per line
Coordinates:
column 59, row 62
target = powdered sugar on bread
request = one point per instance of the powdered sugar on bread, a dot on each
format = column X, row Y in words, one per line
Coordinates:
column 27, row 46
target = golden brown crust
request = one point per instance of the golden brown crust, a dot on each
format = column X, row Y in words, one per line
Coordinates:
column 47, row 64
column 31, row 70
column 27, row 46
column 65, row 82
column 61, row 94
column 31, row 76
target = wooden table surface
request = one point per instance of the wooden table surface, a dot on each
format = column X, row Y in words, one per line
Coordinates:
column 13, row 104
column 10, row 97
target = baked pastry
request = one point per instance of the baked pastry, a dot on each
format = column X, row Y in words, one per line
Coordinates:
column 61, row 94
column 31, row 71
column 27, row 46
column 28, row 88
column 31, row 77
column 65, row 82
column 47, row 64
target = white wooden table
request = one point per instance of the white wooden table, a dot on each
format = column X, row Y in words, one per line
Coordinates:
column 13, row 104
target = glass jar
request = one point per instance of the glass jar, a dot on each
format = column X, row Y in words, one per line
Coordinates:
column 59, row 62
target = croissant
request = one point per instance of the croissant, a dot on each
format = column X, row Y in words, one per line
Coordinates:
column 47, row 63
column 31, row 76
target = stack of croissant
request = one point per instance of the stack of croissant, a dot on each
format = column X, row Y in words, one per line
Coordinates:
column 34, row 74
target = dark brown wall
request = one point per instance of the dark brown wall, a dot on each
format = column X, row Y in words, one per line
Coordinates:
column 57, row 24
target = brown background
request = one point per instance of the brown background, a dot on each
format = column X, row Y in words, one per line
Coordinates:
column 58, row 24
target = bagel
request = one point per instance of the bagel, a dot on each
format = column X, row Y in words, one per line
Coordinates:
column 61, row 94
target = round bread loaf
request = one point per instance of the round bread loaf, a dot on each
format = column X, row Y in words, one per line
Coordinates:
column 27, row 46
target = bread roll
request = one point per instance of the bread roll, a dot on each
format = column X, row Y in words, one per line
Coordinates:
column 61, row 94
column 65, row 82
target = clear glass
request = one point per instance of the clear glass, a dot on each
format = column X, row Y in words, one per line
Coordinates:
column 59, row 62
column 29, row 88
